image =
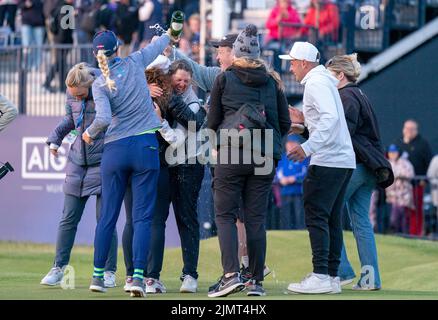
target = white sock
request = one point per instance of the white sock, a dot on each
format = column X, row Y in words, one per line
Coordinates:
column 245, row 261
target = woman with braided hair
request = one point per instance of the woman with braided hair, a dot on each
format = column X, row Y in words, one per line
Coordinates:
column 124, row 109
column 83, row 172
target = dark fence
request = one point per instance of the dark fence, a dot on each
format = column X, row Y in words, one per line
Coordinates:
column 33, row 77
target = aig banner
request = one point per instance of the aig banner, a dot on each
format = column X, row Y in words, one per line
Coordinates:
column 31, row 197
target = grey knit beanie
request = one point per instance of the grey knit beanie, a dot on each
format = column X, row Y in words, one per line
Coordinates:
column 247, row 43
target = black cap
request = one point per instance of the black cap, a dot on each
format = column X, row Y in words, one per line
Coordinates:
column 226, row 41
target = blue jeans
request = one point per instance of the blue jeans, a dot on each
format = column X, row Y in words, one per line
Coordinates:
column 292, row 212
column 357, row 199
column 33, row 36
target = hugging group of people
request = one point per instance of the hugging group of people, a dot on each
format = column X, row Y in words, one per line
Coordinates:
column 124, row 122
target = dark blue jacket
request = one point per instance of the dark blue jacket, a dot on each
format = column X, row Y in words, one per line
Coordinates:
column 288, row 168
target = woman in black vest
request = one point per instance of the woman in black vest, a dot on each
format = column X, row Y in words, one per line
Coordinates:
column 249, row 98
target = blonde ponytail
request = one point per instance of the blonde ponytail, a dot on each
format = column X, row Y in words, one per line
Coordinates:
column 79, row 76
column 347, row 64
column 103, row 65
column 356, row 65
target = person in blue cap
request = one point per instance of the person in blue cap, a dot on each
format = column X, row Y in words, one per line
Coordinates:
column 290, row 175
column 124, row 109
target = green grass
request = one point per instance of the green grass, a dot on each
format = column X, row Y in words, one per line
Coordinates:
column 408, row 270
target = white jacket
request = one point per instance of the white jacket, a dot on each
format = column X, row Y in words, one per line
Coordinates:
column 329, row 143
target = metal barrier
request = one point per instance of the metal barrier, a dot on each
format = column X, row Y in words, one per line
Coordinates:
column 33, row 77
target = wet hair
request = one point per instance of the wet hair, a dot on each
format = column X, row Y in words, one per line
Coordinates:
column 244, row 62
column 157, row 76
column 79, row 76
column 347, row 64
column 180, row 65
column 103, row 66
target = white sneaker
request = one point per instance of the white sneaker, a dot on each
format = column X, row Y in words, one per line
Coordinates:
column 189, row 285
column 128, row 284
column 53, row 278
column 109, row 279
column 336, row 285
column 154, row 286
column 312, row 284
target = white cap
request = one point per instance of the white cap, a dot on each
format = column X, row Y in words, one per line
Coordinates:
column 302, row 51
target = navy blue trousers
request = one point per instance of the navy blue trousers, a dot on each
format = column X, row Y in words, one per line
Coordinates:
column 134, row 158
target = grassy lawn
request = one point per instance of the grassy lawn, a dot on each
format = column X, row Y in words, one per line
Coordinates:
column 408, row 270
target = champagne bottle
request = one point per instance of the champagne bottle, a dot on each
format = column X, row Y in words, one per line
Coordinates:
column 177, row 23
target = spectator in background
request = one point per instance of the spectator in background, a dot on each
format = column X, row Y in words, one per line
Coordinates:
column 195, row 35
column 86, row 20
column 189, row 43
column 8, row 10
column 48, row 7
column 432, row 175
column 290, row 175
column 328, row 22
column 32, row 29
column 149, row 13
column 419, row 154
column 86, row 26
column 126, row 24
column 61, row 36
column 282, row 12
column 105, row 17
column 399, row 194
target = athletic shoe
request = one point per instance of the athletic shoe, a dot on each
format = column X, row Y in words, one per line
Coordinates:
column 189, row 285
column 154, row 286
column 53, row 278
column 97, row 285
column 245, row 275
column 215, row 285
column 109, row 279
column 128, row 284
column 255, row 289
column 357, row 287
column 137, row 288
column 227, row 286
column 336, row 285
column 312, row 284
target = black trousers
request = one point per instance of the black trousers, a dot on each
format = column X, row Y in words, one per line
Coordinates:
column 186, row 181
column 232, row 184
column 324, row 191
column 9, row 12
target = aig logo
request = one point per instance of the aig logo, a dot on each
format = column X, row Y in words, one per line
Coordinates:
column 38, row 162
